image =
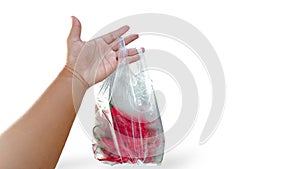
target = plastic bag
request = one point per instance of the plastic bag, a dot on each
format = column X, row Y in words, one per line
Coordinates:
column 128, row 127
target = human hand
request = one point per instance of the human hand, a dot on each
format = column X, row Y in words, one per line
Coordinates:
column 96, row 59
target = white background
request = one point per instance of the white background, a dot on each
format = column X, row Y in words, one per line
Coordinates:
column 258, row 45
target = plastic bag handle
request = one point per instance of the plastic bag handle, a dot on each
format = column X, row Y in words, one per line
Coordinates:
column 141, row 64
column 122, row 52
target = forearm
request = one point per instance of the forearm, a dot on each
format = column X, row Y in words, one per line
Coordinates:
column 37, row 139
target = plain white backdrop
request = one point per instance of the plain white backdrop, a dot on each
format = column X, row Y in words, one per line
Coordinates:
column 257, row 43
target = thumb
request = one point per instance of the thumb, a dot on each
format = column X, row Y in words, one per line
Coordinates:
column 75, row 30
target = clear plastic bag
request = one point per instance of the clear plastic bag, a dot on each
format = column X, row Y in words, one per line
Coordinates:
column 128, row 127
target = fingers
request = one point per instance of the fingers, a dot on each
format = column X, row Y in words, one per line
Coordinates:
column 112, row 36
column 127, row 39
column 75, row 30
column 133, row 51
column 132, row 55
column 133, row 58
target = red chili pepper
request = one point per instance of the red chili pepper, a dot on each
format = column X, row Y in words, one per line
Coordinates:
column 131, row 134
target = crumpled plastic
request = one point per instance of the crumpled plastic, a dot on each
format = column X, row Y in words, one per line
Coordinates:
column 128, row 128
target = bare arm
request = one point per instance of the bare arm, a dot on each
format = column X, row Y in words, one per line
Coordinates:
column 36, row 140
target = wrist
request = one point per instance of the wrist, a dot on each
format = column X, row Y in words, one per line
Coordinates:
column 77, row 86
column 76, row 76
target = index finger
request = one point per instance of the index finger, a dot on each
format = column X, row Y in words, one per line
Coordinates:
column 112, row 36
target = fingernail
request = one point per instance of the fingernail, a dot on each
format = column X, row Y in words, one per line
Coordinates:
column 74, row 20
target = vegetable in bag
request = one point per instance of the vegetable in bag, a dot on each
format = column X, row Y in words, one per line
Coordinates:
column 128, row 127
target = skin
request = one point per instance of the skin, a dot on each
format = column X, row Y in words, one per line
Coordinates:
column 37, row 139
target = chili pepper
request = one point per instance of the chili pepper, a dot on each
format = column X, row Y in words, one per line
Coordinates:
column 131, row 135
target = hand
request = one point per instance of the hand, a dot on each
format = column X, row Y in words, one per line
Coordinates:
column 96, row 59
